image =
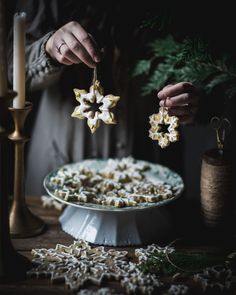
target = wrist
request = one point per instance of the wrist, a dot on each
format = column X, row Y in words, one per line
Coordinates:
column 47, row 50
column 48, row 46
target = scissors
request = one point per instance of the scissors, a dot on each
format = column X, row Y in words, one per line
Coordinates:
column 220, row 126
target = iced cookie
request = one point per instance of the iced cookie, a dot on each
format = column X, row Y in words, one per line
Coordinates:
column 156, row 132
column 94, row 106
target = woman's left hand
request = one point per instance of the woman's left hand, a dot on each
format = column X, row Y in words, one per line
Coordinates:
column 181, row 99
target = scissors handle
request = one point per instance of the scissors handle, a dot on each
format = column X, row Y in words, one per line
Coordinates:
column 215, row 122
column 220, row 126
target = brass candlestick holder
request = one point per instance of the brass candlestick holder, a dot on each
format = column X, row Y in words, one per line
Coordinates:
column 23, row 223
column 12, row 264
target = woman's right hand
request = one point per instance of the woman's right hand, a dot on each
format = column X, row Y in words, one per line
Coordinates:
column 71, row 44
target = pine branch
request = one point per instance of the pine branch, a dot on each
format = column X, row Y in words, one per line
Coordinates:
column 164, row 47
column 187, row 61
column 142, row 67
column 157, row 263
column 162, row 74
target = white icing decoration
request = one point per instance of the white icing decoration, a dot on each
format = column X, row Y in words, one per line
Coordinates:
column 155, row 133
column 95, row 96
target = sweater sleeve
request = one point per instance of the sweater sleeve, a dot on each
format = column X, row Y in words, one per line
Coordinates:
column 41, row 69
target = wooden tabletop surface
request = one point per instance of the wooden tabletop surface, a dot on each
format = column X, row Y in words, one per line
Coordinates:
column 52, row 236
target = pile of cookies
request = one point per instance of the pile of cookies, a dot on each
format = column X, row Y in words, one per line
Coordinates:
column 120, row 183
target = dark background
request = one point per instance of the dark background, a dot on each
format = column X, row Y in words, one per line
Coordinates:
column 208, row 20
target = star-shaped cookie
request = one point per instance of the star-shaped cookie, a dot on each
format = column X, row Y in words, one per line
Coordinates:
column 94, row 106
column 155, row 132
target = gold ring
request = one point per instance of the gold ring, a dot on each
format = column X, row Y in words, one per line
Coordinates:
column 59, row 47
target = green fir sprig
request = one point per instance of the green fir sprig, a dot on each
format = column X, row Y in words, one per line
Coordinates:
column 172, row 61
column 158, row 263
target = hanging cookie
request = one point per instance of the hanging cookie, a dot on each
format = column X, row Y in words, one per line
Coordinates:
column 94, row 106
column 164, row 128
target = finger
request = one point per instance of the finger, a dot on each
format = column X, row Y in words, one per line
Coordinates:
column 159, row 96
column 97, row 56
column 61, row 58
column 176, row 89
column 52, row 49
column 78, row 50
column 87, row 41
column 68, row 54
column 180, row 100
column 182, row 111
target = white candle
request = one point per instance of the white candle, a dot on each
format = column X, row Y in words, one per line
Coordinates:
column 3, row 55
column 19, row 59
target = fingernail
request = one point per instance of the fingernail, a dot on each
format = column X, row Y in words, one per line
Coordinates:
column 161, row 103
column 159, row 94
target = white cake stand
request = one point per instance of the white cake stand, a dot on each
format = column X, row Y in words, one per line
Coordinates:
column 110, row 226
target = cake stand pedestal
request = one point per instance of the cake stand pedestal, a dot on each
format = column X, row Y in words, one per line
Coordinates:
column 118, row 228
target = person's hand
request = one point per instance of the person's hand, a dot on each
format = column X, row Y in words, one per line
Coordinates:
column 71, row 44
column 181, row 99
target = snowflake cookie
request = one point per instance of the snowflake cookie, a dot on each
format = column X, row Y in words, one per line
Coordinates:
column 94, row 106
column 155, row 132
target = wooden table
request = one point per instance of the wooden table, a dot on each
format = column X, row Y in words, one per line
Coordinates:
column 52, row 236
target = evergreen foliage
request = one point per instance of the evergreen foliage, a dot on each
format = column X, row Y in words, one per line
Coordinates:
column 172, row 61
column 158, row 264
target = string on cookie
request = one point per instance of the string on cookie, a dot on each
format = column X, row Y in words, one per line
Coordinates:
column 94, row 79
column 160, row 120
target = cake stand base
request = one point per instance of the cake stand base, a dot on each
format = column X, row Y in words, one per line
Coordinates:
column 118, row 228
